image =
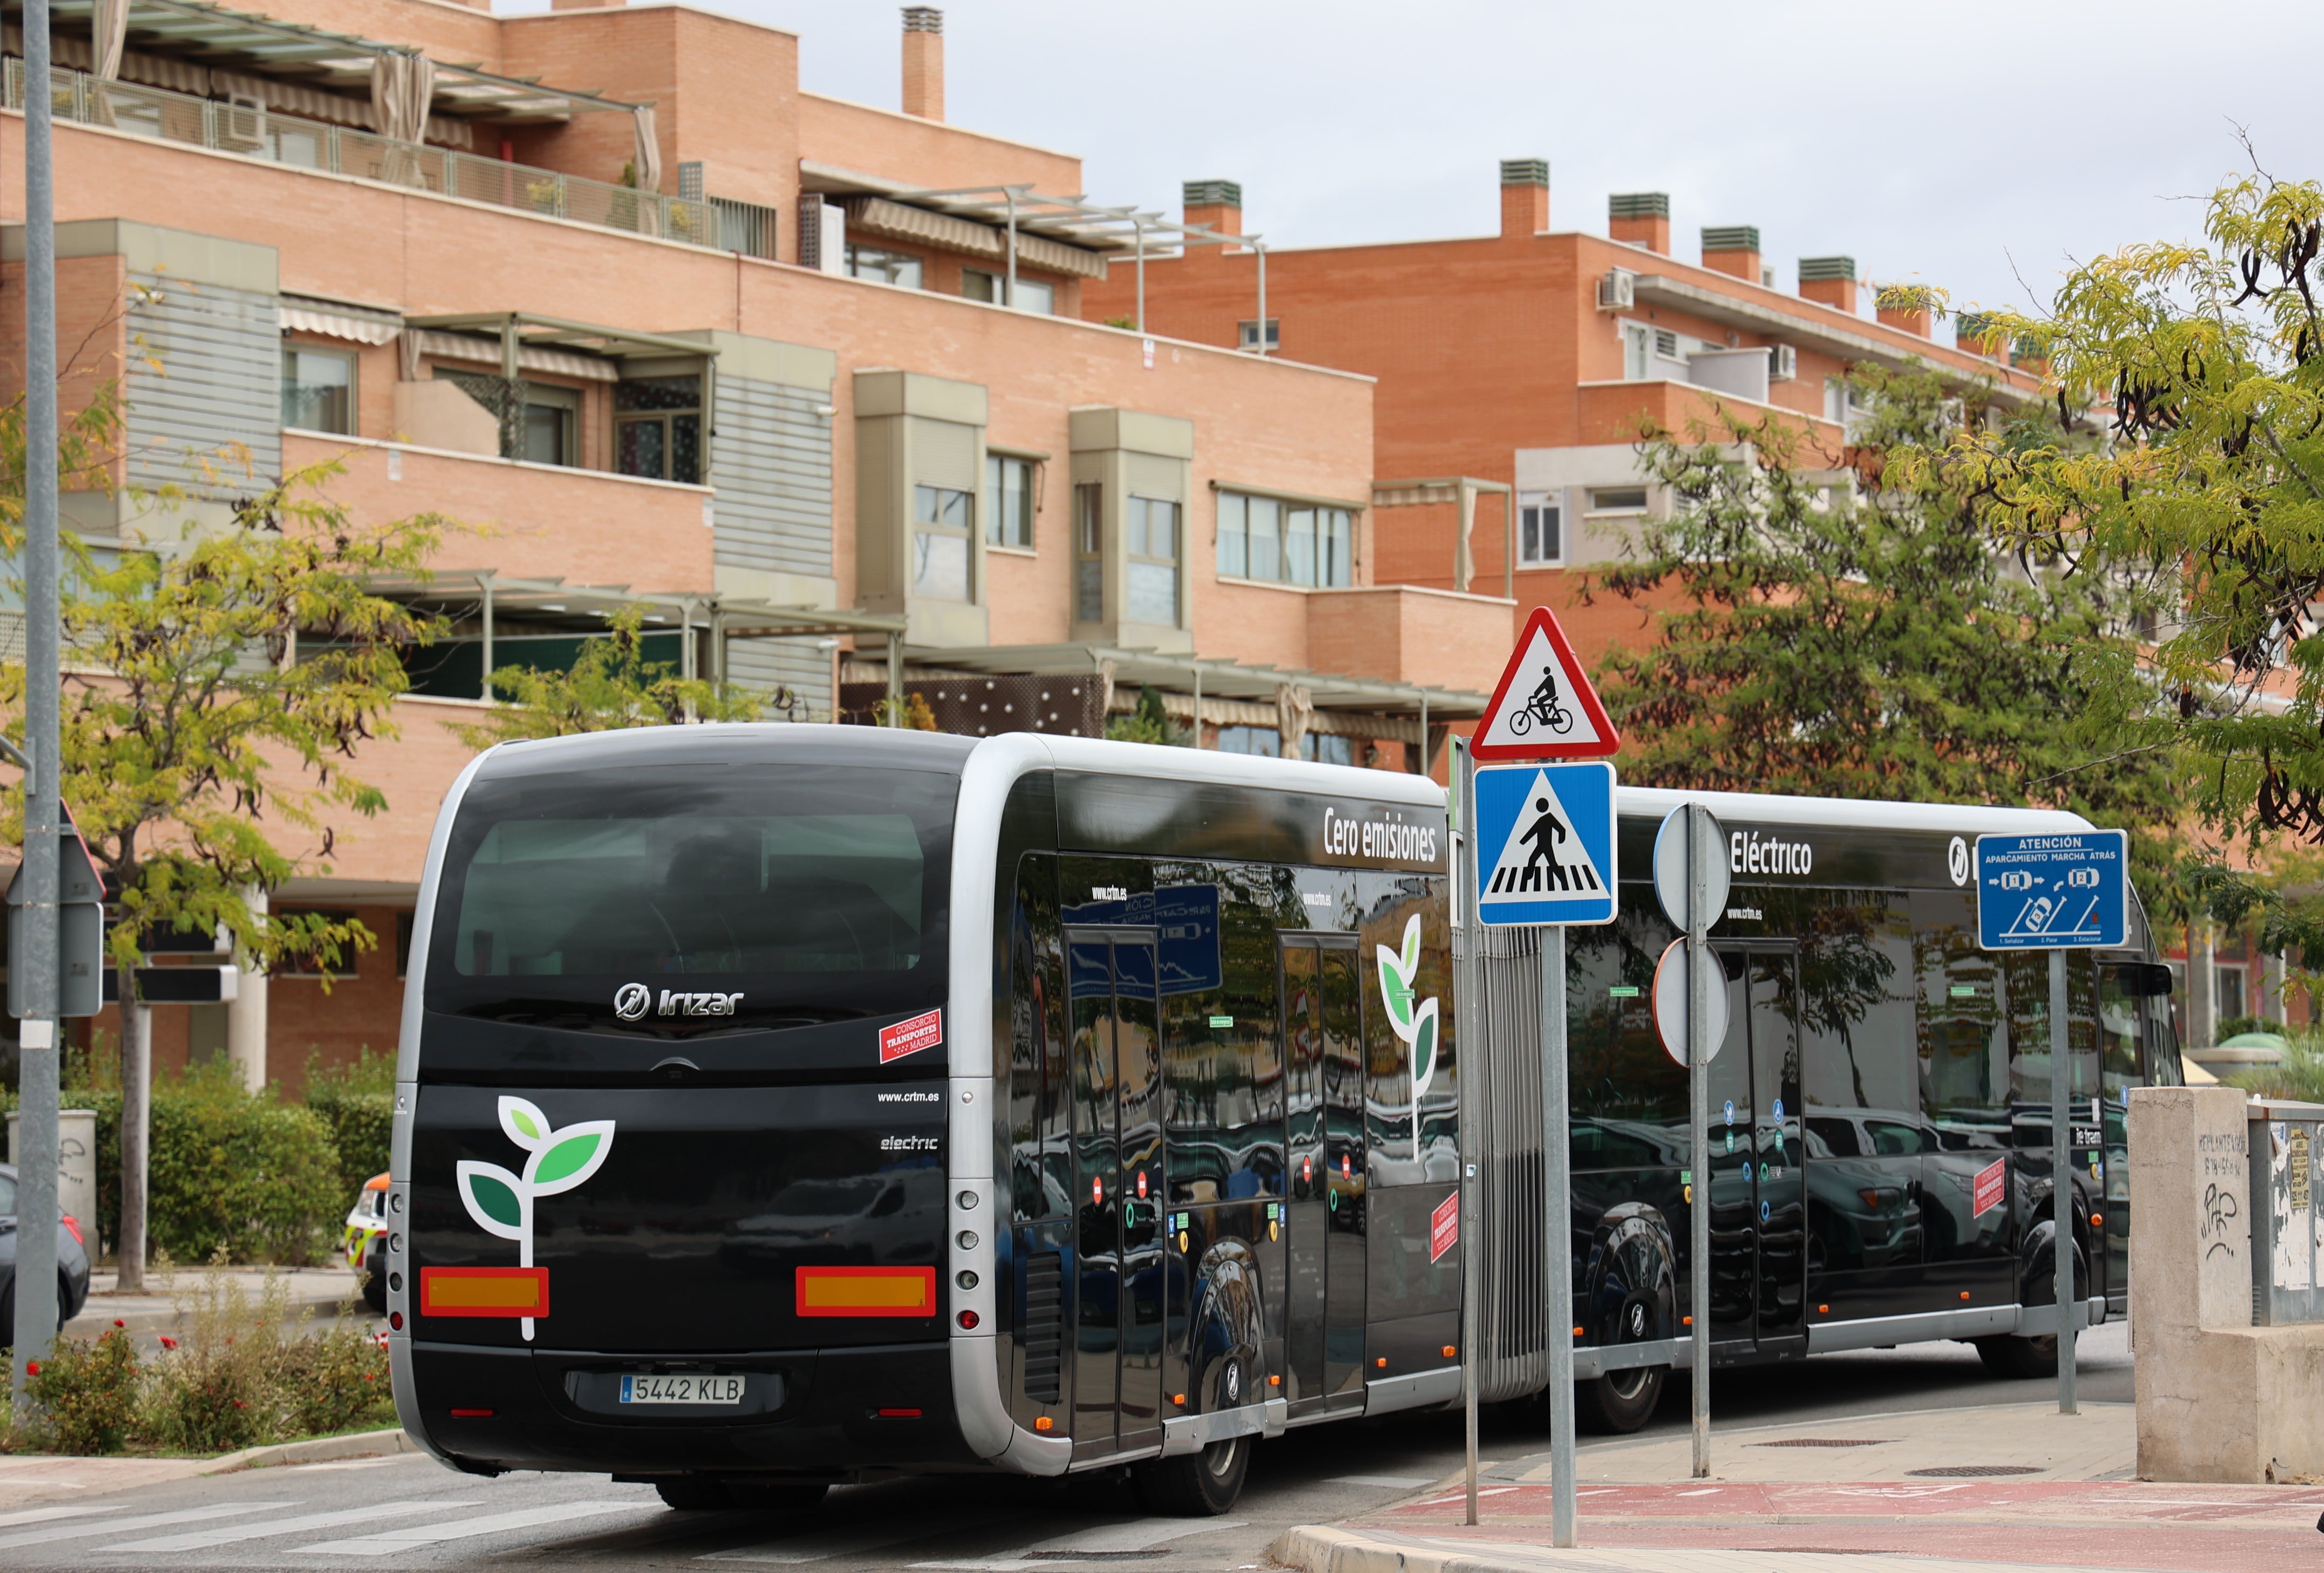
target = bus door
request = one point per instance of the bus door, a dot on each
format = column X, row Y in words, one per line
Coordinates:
column 1118, row 1189
column 1324, row 1083
column 1759, row 1217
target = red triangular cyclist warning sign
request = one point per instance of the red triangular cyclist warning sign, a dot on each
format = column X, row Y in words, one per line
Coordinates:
column 1544, row 708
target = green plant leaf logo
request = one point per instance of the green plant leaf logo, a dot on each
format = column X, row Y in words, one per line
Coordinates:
column 558, row 1159
column 1413, row 1021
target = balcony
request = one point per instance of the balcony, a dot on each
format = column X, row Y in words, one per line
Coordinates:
column 255, row 132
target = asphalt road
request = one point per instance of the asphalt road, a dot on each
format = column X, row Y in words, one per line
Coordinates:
column 407, row 1512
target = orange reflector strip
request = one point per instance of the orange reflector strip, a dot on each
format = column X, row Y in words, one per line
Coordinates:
column 1964, row 1294
column 483, row 1292
column 866, row 1292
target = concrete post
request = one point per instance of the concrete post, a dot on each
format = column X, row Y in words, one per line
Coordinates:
column 2202, row 987
column 245, row 1013
column 2218, row 1399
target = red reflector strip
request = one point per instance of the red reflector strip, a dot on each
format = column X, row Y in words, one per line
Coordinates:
column 866, row 1292
column 472, row 1414
column 900, row 1414
column 483, row 1292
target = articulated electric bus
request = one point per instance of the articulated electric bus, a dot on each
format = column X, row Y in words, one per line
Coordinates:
column 780, row 1105
column 1879, row 1150
column 783, row 1105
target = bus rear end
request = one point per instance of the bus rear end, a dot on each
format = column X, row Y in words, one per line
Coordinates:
column 671, row 1098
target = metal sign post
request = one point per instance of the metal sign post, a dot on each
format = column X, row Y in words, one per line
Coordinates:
column 1544, row 858
column 1691, row 881
column 1464, row 907
column 2056, row 892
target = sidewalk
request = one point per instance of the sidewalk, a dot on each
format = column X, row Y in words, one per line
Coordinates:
column 32, row 1479
column 1995, row 1488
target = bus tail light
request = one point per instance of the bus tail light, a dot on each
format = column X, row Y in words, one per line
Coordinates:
column 898, row 1413
column 866, row 1292
column 968, row 1320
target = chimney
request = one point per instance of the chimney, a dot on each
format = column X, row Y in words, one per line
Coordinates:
column 1903, row 307
column 1641, row 218
column 1524, row 196
column 1215, row 203
column 1971, row 330
column 1733, row 248
column 924, row 61
column 1831, row 280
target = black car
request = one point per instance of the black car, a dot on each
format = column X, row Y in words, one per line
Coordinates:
column 72, row 1262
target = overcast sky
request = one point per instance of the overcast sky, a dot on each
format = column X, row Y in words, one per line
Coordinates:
column 1961, row 145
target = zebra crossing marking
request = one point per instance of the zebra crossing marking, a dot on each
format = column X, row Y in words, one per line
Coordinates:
column 196, row 1540
column 389, row 1541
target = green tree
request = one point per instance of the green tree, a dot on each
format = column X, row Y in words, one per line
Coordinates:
column 1148, row 723
column 610, row 686
column 217, row 689
column 1841, row 626
column 2207, row 358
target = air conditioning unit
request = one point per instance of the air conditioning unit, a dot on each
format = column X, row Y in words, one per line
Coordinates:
column 1782, row 363
column 1618, row 290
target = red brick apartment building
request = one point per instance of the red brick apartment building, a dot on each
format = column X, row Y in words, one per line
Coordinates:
column 816, row 386
column 1525, row 359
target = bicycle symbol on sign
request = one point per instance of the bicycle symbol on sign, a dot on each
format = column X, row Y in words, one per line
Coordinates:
column 1543, row 707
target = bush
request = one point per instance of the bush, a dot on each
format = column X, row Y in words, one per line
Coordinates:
column 88, row 1393
column 221, row 1388
column 356, row 1102
column 336, row 1382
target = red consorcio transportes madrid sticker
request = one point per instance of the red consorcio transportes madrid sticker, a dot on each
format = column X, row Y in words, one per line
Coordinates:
column 909, row 1038
column 1988, row 1190
column 1444, row 1227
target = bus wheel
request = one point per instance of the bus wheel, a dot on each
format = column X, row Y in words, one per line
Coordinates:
column 1619, row 1400
column 693, row 1492
column 1196, row 1485
column 2019, row 1358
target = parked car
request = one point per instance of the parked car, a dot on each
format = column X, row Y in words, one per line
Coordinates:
column 72, row 1262
column 365, row 1241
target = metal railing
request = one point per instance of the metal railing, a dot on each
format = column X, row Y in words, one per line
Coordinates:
column 249, row 128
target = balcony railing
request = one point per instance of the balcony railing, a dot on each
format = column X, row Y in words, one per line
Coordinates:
column 249, row 128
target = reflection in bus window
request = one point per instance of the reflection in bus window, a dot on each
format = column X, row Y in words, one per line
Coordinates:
column 1628, row 1098
column 1964, row 1047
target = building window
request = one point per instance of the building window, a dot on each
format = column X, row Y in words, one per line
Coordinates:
column 1150, row 560
column 1008, row 501
column 1261, row 537
column 1617, row 500
column 1033, row 295
column 2230, row 1001
column 1667, row 344
column 1263, row 741
column 883, row 267
column 318, row 390
column 941, row 521
column 1089, row 552
column 1247, row 333
column 1541, row 531
column 550, row 416
column 657, row 429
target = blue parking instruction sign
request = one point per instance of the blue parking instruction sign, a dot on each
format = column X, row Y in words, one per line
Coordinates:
column 2057, row 890
column 1545, row 844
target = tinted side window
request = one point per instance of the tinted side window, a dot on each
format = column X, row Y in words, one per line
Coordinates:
column 2028, row 984
column 1629, row 1097
column 1964, row 1042
column 1222, row 1059
column 1857, row 1006
column 1040, row 1113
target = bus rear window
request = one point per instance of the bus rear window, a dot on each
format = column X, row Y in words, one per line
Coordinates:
column 815, row 880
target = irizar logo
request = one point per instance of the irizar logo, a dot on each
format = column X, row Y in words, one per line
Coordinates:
column 1414, row 1024
column 633, row 1000
column 561, row 1158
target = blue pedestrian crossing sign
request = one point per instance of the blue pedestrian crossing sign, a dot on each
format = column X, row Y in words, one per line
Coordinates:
column 1545, row 844
column 2057, row 890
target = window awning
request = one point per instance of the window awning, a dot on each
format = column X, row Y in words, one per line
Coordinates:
column 327, row 321
column 878, row 216
column 212, row 35
column 1218, row 679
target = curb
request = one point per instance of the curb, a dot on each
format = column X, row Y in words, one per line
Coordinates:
column 96, row 1316
column 1319, row 1549
column 322, row 1450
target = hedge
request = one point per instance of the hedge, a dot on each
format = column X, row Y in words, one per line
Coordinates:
column 362, row 1126
column 237, row 1171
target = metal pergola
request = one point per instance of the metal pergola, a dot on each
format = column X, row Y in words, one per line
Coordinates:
column 205, row 33
column 1077, row 221
column 722, row 617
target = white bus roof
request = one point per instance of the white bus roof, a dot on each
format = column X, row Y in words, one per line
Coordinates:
column 1842, row 813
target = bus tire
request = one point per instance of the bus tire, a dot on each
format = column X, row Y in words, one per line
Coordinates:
column 693, row 1492
column 1194, row 1484
column 2018, row 1358
column 1620, row 1402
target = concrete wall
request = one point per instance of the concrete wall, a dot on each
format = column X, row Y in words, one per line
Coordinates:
column 2218, row 1399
